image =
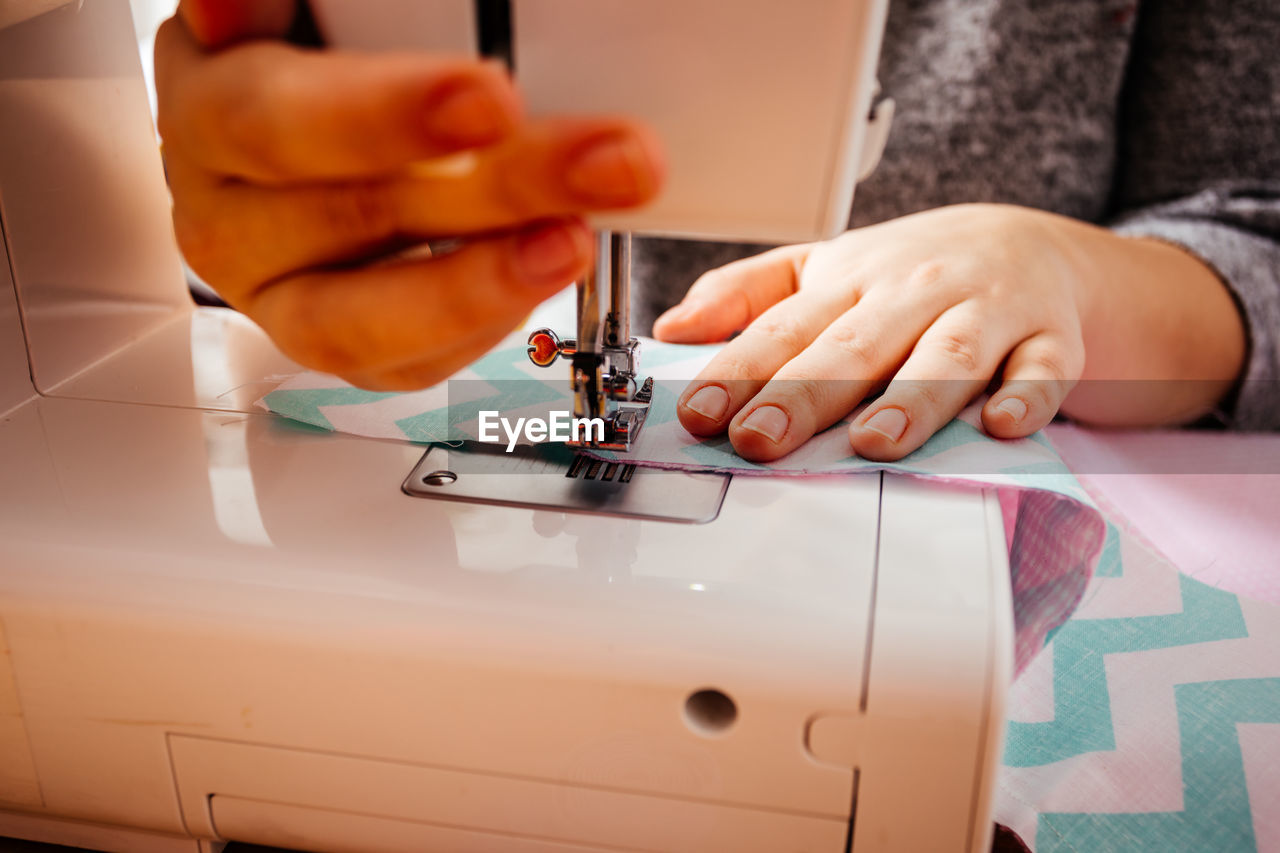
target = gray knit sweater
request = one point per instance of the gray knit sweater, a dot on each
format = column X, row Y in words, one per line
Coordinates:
column 1159, row 118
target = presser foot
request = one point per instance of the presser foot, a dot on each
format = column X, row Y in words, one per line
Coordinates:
column 623, row 422
column 604, row 386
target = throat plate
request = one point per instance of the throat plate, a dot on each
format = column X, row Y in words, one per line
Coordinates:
column 552, row 476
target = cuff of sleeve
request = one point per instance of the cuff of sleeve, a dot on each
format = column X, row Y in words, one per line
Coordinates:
column 1249, row 266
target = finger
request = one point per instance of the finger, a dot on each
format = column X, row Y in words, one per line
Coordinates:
column 950, row 365
column 725, row 300
column 434, row 368
column 376, row 321
column 215, row 23
column 237, row 235
column 824, row 383
column 1038, row 375
column 274, row 113
column 744, row 366
column 551, row 166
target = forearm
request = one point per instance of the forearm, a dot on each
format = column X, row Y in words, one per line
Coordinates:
column 1164, row 340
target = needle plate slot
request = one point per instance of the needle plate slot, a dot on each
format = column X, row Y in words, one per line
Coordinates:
column 555, row 477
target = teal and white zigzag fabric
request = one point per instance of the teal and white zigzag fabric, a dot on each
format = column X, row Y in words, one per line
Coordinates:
column 505, row 380
column 1151, row 721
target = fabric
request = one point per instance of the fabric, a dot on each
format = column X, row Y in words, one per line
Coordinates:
column 1203, row 499
column 1161, row 119
column 1055, row 532
column 1151, row 721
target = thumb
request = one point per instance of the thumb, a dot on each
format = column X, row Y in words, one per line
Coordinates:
column 726, row 300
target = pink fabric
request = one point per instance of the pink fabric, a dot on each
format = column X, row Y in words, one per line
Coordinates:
column 1008, row 513
column 1052, row 551
column 1221, row 526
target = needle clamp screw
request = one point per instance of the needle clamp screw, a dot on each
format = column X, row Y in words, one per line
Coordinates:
column 545, row 346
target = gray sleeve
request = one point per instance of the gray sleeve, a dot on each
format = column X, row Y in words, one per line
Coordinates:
column 1199, row 163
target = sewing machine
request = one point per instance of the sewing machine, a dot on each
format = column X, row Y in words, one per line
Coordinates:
column 218, row 626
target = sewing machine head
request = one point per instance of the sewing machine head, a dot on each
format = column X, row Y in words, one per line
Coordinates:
column 757, row 150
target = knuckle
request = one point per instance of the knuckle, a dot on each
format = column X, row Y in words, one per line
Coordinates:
column 1057, row 363
column 252, row 127
column 781, row 329
column 926, row 274
column 360, row 208
column 915, row 395
column 807, row 395
column 925, row 396
column 296, row 319
column 735, row 366
column 1050, row 363
column 1047, row 396
column 998, row 290
column 962, row 349
column 859, row 348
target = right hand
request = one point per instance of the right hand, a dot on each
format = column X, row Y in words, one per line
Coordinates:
column 295, row 173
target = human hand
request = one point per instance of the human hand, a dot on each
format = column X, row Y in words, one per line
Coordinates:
column 936, row 305
column 297, row 175
column 933, row 304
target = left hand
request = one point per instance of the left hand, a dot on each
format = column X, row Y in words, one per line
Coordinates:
column 306, row 183
column 935, row 304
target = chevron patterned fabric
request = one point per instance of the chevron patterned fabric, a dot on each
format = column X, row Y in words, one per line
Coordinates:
column 1151, row 721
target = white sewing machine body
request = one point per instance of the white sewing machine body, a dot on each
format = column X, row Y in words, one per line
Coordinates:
column 216, row 625
column 728, row 89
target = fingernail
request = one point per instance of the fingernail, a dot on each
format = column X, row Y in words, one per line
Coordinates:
column 889, row 422
column 710, row 401
column 468, row 114
column 1013, row 407
column 769, row 421
column 613, row 170
column 552, row 253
